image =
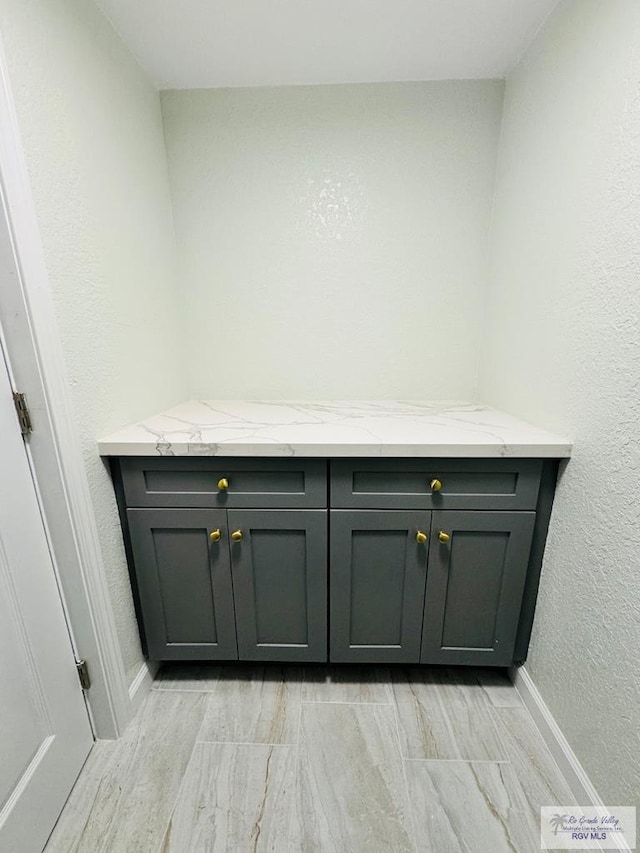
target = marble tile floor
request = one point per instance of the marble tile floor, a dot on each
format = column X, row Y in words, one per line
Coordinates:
column 336, row 759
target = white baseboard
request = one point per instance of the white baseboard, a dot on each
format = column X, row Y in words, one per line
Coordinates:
column 565, row 757
column 141, row 684
column 576, row 776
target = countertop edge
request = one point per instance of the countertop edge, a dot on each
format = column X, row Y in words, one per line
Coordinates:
column 279, row 451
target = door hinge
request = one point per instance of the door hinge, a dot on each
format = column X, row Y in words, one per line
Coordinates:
column 83, row 674
column 22, row 410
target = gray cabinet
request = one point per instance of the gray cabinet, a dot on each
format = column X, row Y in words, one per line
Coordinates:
column 460, row 591
column 377, row 577
column 279, row 568
column 430, row 560
column 221, row 585
column 183, row 580
column 477, row 570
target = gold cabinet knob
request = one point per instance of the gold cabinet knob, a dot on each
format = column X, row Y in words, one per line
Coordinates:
column 444, row 537
column 237, row 535
column 435, row 485
column 421, row 537
column 223, row 484
column 215, row 535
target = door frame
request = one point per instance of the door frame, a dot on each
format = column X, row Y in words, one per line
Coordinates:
column 35, row 361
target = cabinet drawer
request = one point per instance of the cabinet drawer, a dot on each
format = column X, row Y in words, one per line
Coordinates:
column 195, row 482
column 464, row 484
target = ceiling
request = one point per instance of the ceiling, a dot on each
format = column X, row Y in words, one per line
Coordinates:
column 186, row 44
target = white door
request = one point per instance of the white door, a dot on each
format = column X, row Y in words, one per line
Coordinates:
column 45, row 734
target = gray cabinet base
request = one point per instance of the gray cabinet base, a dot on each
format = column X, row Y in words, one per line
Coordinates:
column 392, row 598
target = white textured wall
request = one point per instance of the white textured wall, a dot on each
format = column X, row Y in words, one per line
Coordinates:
column 332, row 240
column 562, row 349
column 92, row 131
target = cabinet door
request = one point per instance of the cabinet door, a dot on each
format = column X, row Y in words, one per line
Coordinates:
column 474, row 586
column 378, row 571
column 184, row 583
column 280, row 583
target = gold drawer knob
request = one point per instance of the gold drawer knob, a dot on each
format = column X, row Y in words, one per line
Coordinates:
column 444, row 537
column 223, row 484
column 436, row 485
column 215, row 535
column 237, row 535
column 421, row 537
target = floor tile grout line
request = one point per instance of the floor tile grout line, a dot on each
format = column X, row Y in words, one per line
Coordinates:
column 184, row 689
column 460, row 760
column 245, row 743
column 345, row 702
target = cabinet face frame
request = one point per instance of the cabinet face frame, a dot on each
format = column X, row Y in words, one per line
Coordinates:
column 442, row 587
column 413, row 569
column 253, row 594
column 149, row 575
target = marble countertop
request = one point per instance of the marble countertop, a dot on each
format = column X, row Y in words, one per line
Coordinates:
column 384, row 428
